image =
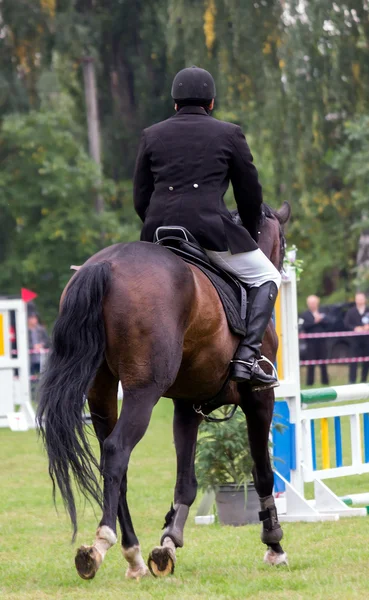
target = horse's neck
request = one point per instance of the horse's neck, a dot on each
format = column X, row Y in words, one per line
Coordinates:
column 270, row 242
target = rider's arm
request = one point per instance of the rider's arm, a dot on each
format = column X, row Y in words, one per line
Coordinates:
column 246, row 186
column 143, row 181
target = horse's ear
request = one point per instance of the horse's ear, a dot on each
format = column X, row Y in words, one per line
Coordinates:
column 75, row 267
column 284, row 213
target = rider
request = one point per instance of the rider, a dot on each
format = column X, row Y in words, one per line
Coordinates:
column 183, row 169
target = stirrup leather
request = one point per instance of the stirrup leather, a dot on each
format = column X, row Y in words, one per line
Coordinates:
column 242, row 362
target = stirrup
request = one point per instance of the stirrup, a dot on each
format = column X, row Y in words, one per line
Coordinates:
column 265, row 359
column 261, row 387
column 268, row 386
column 259, row 360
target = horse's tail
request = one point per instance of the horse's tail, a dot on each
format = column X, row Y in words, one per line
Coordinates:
column 77, row 351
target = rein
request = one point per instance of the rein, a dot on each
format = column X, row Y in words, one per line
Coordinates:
column 213, row 404
column 210, row 419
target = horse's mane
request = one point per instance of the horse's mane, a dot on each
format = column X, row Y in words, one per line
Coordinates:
column 281, row 216
column 267, row 212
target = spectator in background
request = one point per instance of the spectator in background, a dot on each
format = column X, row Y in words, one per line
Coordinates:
column 315, row 322
column 357, row 319
column 37, row 340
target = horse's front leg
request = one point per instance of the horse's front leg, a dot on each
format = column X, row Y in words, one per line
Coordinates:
column 258, row 408
column 185, row 427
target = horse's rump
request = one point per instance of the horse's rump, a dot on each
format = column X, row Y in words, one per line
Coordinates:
column 157, row 301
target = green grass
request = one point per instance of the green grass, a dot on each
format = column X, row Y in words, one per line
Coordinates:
column 338, row 375
column 327, row 560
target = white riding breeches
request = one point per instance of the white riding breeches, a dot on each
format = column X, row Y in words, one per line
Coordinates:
column 252, row 268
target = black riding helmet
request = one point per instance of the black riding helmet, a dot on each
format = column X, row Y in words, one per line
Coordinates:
column 193, row 86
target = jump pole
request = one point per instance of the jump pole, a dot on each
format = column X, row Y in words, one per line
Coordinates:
column 340, row 393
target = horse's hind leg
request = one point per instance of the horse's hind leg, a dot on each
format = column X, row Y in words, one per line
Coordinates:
column 102, row 401
column 130, row 544
column 116, row 450
column 129, row 430
column 185, row 427
column 258, row 408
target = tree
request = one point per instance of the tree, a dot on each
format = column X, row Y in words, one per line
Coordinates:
column 26, row 36
column 291, row 73
column 351, row 162
column 47, row 183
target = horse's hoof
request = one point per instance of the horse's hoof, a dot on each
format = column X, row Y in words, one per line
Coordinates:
column 137, row 573
column 87, row 561
column 275, row 558
column 161, row 562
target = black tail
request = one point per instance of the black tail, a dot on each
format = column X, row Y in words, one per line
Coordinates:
column 77, row 352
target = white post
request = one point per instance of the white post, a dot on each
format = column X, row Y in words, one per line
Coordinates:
column 307, row 460
column 291, row 366
column 15, row 394
column 6, row 373
column 355, row 430
column 23, row 356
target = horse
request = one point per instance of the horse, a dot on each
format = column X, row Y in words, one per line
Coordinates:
column 138, row 314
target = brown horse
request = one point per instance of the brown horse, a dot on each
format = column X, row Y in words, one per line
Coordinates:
column 139, row 314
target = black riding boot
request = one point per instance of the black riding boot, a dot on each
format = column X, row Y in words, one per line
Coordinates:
column 245, row 366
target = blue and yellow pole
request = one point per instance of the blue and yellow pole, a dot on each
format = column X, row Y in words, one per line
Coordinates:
column 325, row 443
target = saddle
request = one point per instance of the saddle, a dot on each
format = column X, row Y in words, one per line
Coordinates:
column 230, row 291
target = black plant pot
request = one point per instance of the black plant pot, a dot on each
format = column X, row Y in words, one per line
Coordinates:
column 252, row 505
column 232, row 507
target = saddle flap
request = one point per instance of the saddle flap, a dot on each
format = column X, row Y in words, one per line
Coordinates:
column 231, row 292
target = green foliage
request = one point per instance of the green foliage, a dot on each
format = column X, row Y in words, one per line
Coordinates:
column 47, row 189
column 294, row 75
column 223, row 452
column 351, row 160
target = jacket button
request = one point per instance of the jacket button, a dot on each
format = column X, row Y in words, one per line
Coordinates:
column 195, row 185
column 171, row 188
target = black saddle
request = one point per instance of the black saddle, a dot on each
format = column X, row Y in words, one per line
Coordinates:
column 231, row 293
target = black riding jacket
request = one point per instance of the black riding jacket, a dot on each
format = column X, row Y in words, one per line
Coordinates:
column 183, row 169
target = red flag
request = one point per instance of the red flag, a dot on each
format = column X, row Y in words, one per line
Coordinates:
column 27, row 295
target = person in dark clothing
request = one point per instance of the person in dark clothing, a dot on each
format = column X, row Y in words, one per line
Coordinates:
column 38, row 340
column 315, row 322
column 183, row 169
column 357, row 319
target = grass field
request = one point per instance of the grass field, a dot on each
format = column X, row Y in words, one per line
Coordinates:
column 338, row 375
column 327, row 560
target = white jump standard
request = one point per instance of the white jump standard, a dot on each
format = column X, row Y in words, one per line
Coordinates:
column 14, row 391
column 294, row 449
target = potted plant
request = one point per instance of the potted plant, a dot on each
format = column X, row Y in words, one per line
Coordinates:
column 223, row 464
